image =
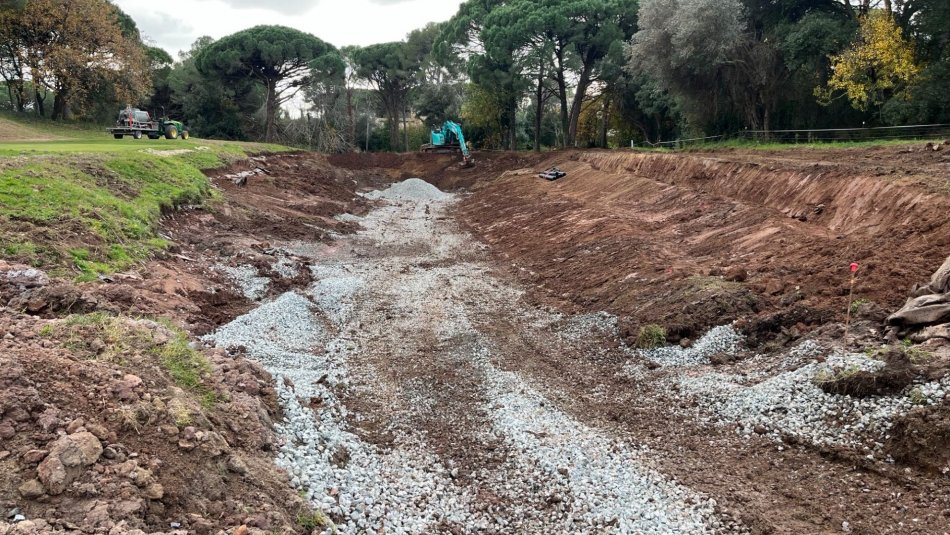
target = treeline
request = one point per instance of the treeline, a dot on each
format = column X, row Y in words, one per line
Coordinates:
column 516, row 73
column 62, row 59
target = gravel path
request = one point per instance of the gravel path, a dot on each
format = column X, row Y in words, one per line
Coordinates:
column 399, row 416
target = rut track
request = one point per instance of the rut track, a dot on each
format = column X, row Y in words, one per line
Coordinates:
column 404, row 416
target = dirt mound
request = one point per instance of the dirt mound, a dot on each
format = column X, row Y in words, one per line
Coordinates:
column 660, row 237
column 135, row 430
column 922, row 438
column 897, row 374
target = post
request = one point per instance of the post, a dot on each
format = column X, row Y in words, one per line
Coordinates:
column 367, row 133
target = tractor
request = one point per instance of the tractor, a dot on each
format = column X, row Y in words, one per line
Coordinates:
column 136, row 123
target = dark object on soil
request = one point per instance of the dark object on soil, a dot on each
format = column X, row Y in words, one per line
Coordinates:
column 552, row 174
column 898, row 372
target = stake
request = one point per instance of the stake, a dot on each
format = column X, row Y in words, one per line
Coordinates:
column 847, row 322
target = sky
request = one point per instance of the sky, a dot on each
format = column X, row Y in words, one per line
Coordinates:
column 175, row 24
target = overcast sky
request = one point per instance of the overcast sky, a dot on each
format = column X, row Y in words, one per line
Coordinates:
column 175, row 24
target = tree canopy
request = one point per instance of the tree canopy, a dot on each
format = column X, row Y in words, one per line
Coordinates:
column 281, row 59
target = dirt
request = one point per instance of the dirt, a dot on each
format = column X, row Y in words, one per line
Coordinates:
column 694, row 241
column 684, row 241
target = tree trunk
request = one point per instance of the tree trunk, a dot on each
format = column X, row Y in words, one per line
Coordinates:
column 579, row 95
column 562, row 96
column 349, row 114
column 539, row 103
column 604, row 127
column 405, row 131
column 10, row 94
column 59, row 105
column 40, row 103
column 270, row 130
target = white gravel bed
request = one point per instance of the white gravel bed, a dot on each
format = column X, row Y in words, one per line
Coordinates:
column 562, row 476
column 252, row 285
column 722, row 339
column 790, row 403
column 413, row 189
column 611, row 488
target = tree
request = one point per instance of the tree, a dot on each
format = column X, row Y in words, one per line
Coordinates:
column 880, row 64
column 684, row 46
column 79, row 50
column 391, row 69
column 278, row 58
column 212, row 106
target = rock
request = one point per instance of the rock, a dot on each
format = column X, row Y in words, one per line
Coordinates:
column 34, row 456
column 31, row 489
column 49, row 420
column 100, row 432
column 236, row 465
column 155, row 491
column 199, row 524
column 23, row 276
column 213, row 443
column 736, row 274
column 68, row 458
column 126, row 388
column 241, row 530
column 75, row 425
column 7, row 431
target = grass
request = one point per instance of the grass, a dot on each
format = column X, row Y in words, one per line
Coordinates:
column 315, row 521
column 101, row 336
column 651, row 337
column 90, row 205
column 755, row 145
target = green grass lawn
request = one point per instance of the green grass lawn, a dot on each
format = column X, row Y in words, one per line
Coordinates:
column 87, row 206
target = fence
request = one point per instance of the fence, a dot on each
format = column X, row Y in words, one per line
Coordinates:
column 826, row 135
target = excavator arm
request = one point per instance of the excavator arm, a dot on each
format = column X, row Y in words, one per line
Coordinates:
column 456, row 129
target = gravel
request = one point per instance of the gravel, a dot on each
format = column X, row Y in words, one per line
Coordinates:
column 723, row 339
column 374, row 297
column 790, row 403
column 413, row 189
column 252, row 285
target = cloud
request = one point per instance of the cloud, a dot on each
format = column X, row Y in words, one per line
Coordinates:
column 287, row 7
column 167, row 31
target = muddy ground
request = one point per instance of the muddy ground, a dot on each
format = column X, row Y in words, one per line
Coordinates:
column 474, row 309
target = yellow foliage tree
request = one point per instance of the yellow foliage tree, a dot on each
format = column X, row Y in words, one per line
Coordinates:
column 879, row 64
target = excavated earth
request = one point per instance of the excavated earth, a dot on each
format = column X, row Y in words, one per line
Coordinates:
column 459, row 354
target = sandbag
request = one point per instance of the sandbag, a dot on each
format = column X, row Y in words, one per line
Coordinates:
column 924, row 310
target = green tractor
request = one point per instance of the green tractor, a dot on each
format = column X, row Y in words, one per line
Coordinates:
column 137, row 123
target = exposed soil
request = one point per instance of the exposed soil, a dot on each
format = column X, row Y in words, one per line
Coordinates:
column 451, row 366
column 694, row 241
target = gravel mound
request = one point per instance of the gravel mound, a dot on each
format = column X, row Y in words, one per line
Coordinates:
column 790, row 403
column 722, row 339
column 412, row 189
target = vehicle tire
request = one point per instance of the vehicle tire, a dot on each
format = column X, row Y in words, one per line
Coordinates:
column 137, row 134
column 184, row 134
column 171, row 132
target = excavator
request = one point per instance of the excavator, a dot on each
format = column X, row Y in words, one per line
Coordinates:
column 450, row 139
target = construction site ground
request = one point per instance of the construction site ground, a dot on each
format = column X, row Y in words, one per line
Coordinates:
column 465, row 353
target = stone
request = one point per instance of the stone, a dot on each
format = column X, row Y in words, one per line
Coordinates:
column 34, row 456
column 31, row 489
column 241, row 530
column 236, row 465
column 736, row 274
column 74, row 425
column 155, row 491
column 68, row 458
column 7, row 431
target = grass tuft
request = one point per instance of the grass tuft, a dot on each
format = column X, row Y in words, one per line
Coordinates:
column 651, row 337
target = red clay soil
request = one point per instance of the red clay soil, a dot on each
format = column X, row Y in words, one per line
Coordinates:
column 690, row 241
column 169, row 456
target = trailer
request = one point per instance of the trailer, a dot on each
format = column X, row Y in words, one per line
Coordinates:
column 137, row 123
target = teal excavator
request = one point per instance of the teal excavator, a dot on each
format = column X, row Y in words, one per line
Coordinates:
column 450, row 139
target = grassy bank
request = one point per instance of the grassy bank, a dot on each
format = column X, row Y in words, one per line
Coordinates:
column 84, row 207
